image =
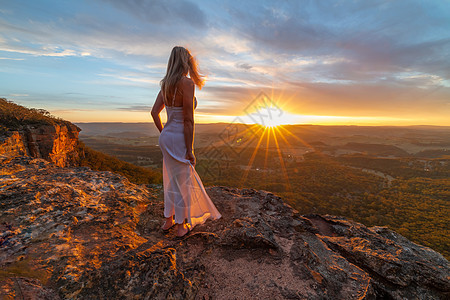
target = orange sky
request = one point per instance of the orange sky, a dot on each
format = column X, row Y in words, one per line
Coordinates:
column 319, row 105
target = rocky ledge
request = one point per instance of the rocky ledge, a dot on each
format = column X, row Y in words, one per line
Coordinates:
column 56, row 143
column 73, row 233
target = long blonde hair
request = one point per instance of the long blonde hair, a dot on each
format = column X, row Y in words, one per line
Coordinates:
column 181, row 62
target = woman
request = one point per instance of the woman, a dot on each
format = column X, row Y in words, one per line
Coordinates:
column 184, row 194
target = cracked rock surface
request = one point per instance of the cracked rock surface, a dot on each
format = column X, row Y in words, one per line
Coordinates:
column 74, row 233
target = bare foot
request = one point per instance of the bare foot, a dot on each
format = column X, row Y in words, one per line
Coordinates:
column 182, row 229
column 168, row 224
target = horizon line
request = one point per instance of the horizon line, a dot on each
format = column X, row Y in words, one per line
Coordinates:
column 297, row 124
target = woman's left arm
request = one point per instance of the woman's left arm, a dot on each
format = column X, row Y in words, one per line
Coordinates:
column 156, row 109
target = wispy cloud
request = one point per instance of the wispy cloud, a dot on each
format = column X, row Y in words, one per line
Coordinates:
column 43, row 51
column 139, row 108
column 19, row 95
column 10, row 58
column 130, row 78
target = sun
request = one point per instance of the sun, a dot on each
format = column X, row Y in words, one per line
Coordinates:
column 270, row 118
column 272, row 122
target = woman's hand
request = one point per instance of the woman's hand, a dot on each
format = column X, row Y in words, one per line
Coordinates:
column 191, row 157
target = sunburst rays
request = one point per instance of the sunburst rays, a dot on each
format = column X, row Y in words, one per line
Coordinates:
column 270, row 137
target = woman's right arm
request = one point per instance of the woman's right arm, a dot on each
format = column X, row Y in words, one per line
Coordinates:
column 156, row 109
column 188, row 114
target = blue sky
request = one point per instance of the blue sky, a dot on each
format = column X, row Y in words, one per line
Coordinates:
column 322, row 62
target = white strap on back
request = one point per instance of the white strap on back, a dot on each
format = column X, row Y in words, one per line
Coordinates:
column 173, row 100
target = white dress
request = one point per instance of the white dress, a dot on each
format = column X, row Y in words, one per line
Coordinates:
column 184, row 193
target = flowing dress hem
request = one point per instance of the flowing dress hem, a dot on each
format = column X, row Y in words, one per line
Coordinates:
column 202, row 219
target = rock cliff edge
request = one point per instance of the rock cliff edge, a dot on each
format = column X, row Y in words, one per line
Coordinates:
column 74, row 233
column 54, row 142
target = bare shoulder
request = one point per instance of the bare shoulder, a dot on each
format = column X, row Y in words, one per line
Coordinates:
column 187, row 82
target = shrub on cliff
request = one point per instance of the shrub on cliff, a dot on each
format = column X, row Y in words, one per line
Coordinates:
column 13, row 116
